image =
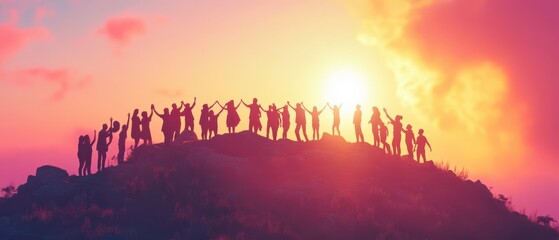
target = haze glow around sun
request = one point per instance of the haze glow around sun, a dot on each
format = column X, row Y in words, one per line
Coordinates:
column 346, row 86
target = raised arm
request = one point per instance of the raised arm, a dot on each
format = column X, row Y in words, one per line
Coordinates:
column 217, row 115
column 306, row 108
column 289, row 104
column 216, row 102
column 110, row 140
column 328, row 104
column 193, row 103
column 319, row 112
column 94, row 137
column 243, row 102
column 180, row 108
column 238, row 105
column 128, row 121
column 339, row 107
column 264, row 110
column 151, row 114
column 155, row 111
column 388, row 116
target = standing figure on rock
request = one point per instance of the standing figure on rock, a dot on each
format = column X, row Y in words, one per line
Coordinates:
column 204, row 120
column 81, row 157
column 336, row 124
column 383, row 132
column 136, row 132
column 146, row 131
column 167, row 128
column 122, row 141
column 420, row 144
column 315, row 114
column 286, row 121
column 88, row 153
column 176, row 127
column 103, row 146
column 233, row 118
column 300, row 121
column 410, row 140
column 357, row 124
column 274, row 121
column 212, row 123
column 375, row 122
column 188, row 116
column 254, row 124
column 396, row 132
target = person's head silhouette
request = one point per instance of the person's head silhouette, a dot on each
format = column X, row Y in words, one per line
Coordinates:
column 285, row 108
column 86, row 139
column 254, row 100
column 408, row 127
column 104, row 127
column 375, row 110
column 187, row 105
column 136, row 112
column 166, row 111
column 174, row 106
column 212, row 113
column 205, row 107
column 270, row 107
column 314, row 109
column 399, row 117
column 124, row 127
column 421, row 131
column 298, row 105
column 336, row 107
column 145, row 114
column 357, row 107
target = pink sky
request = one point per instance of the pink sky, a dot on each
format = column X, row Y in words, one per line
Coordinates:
column 478, row 75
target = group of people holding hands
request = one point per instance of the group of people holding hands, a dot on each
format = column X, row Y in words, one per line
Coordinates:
column 276, row 117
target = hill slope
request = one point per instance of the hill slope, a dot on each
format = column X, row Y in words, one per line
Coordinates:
column 243, row 186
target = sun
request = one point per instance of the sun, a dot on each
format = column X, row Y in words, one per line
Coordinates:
column 345, row 86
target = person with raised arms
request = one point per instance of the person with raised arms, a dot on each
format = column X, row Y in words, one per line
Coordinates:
column 176, row 113
column 300, row 121
column 146, row 131
column 357, row 123
column 204, row 120
column 167, row 128
column 136, row 132
column 233, row 118
column 285, row 120
column 396, row 132
column 315, row 114
column 274, row 121
column 336, row 123
column 254, row 124
column 375, row 123
column 122, row 141
column 188, row 116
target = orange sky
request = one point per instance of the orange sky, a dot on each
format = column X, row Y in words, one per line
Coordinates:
column 68, row 66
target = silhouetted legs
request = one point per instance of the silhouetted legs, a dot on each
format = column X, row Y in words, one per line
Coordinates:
column 101, row 157
column 285, row 129
column 120, row 156
column 386, row 147
column 136, row 141
column 421, row 153
column 268, row 127
column 189, row 126
column 175, row 134
column 336, row 127
column 409, row 147
column 81, row 167
column 204, row 132
column 359, row 133
column 315, row 131
column 376, row 137
column 168, row 137
column 87, row 168
column 298, row 128
column 275, row 132
column 231, row 129
column 396, row 146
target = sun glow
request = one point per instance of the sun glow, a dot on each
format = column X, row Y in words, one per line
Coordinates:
column 346, row 86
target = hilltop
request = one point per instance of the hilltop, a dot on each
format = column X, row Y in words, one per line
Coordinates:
column 244, row 186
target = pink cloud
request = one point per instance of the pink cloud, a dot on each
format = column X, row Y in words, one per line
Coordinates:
column 65, row 79
column 120, row 30
column 14, row 38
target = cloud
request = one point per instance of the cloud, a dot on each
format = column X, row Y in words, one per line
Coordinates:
column 482, row 67
column 65, row 79
column 120, row 30
column 15, row 38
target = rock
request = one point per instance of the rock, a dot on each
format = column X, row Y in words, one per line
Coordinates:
column 186, row 136
column 332, row 138
column 51, row 173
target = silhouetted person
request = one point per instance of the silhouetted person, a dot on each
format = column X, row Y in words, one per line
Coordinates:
column 274, row 121
column 357, row 124
column 375, row 122
column 81, row 156
column 420, row 143
column 188, row 116
column 336, row 123
column 315, row 114
column 167, row 128
column 122, row 141
column 175, row 121
column 396, row 133
column 88, row 153
column 254, row 124
column 233, row 118
column 103, row 146
column 410, row 140
column 212, row 123
column 286, row 121
column 300, row 121
column 383, row 132
column 136, row 132
column 146, row 131
column 204, row 120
